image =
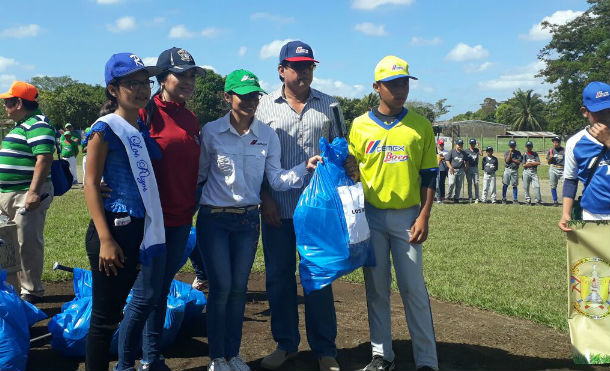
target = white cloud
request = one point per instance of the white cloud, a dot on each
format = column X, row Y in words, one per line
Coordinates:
column 272, row 49
column 106, row 2
column 560, row 17
column 420, row 41
column 19, row 32
column 122, row 24
column 476, row 68
column 6, row 81
column 150, row 61
column 416, row 85
column 242, row 51
column 158, row 20
column 464, row 52
column 276, row 18
column 373, row 4
column 336, row 87
column 181, row 32
column 211, row 32
column 371, row 29
column 270, row 86
column 5, row 63
column 522, row 77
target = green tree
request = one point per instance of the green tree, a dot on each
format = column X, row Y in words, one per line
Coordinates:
column 50, row 83
column 505, row 114
column 423, row 108
column 469, row 115
column 352, row 108
column 530, row 110
column 207, row 101
column 76, row 103
column 576, row 55
column 369, row 101
column 441, row 108
column 487, row 111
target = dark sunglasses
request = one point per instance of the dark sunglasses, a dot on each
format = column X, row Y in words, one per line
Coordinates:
column 301, row 66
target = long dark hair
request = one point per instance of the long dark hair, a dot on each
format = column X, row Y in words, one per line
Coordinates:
column 111, row 103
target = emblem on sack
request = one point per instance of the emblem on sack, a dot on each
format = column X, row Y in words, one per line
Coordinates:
column 589, row 287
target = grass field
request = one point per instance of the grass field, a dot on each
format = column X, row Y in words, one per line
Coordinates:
column 505, row 258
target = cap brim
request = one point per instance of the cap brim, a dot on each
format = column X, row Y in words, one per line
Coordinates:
column 6, row 96
column 179, row 69
column 243, row 90
column 390, row 78
column 152, row 71
column 598, row 107
column 301, row 59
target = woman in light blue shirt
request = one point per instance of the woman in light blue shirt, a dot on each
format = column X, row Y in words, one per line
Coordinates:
column 237, row 151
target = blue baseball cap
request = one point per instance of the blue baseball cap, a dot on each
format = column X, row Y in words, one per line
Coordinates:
column 596, row 96
column 123, row 64
column 296, row 51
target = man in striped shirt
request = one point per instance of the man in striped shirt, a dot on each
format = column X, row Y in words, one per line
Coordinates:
column 299, row 115
column 25, row 183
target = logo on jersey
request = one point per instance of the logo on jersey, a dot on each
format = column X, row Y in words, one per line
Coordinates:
column 601, row 94
column 301, row 50
column 392, row 153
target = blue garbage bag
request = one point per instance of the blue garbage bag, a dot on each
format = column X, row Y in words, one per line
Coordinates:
column 70, row 327
column 329, row 247
column 16, row 318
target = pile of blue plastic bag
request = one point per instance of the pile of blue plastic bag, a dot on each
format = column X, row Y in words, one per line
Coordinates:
column 329, row 243
column 69, row 328
column 16, row 318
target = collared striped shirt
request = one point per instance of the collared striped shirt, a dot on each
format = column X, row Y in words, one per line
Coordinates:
column 299, row 135
column 30, row 137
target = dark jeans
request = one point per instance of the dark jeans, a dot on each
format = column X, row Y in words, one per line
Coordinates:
column 145, row 313
column 110, row 292
column 228, row 242
column 197, row 262
column 440, row 184
column 279, row 246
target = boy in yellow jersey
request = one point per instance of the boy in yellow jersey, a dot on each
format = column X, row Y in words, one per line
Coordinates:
column 396, row 153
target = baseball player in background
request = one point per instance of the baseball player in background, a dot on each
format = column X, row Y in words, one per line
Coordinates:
column 531, row 161
column 555, row 158
column 441, row 155
column 489, row 164
column 512, row 159
column 456, row 163
column 472, row 169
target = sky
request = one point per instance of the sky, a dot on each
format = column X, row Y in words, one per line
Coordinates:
column 463, row 51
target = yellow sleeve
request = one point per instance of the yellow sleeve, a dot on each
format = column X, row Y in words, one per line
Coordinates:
column 354, row 142
column 429, row 159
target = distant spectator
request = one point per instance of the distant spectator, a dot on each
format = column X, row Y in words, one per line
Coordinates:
column 69, row 150
column 512, row 159
column 489, row 164
column 472, row 169
column 531, row 161
column 25, row 181
column 456, row 165
column 443, row 170
column 555, row 158
column 84, row 150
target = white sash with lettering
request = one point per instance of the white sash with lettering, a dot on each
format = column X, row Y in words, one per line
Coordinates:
column 144, row 175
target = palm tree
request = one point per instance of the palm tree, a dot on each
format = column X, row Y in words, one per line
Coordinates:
column 530, row 110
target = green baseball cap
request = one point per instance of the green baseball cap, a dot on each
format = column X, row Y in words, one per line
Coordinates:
column 242, row 82
column 67, row 132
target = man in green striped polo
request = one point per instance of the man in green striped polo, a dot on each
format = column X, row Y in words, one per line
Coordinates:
column 25, row 183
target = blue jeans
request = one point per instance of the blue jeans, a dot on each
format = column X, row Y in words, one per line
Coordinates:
column 145, row 313
column 228, row 243
column 197, row 262
column 279, row 246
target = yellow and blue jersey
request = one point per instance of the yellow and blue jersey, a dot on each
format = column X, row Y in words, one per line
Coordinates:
column 392, row 156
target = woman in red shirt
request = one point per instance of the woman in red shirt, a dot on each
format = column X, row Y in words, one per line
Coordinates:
column 176, row 130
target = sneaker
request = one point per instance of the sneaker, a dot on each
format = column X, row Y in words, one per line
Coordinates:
column 379, row 364
column 328, row 364
column 515, row 202
column 219, row 364
column 276, row 359
column 503, row 201
column 238, row 364
column 201, row 285
column 456, row 200
column 155, row 366
column 476, row 201
column 494, row 202
column 556, row 204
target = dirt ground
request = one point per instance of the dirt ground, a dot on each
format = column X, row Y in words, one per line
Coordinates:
column 468, row 338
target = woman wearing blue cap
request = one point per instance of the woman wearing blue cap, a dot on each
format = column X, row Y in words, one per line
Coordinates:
column 237, row 150
column 126, row 229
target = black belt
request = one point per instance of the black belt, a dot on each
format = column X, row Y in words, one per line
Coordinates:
column 231, row 210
